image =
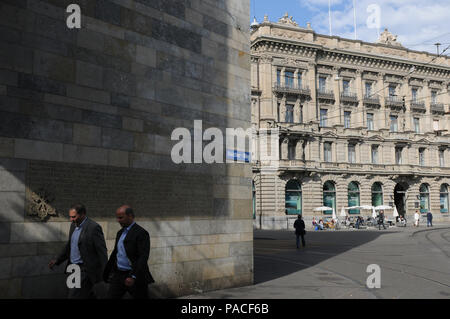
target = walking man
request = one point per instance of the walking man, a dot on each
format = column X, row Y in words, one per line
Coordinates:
column 127, row 268
column 381, row 220
column 429, row 219
column 299, row 226
column 86, row 248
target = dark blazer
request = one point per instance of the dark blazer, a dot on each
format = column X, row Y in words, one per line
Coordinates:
column 92, row 248
column 299, row 226
column 137, row 248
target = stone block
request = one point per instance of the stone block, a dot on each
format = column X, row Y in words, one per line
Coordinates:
column 120, row 100
column 12, row 181
column 118, row 158
column 14, row 250
column 42, row 84
column 147, row 161
column 101, row 119
column 51, row 286
column 38, row 150
column 50, row 248
column 117, row 139
column 12, row 203
column 242, row 208
column 85, row 155
column 84, row 93
column 119, row 82
column 11, row 288
column 89, row 75
column 108, row 11
column 35, row 232
column 161, row 255
column 133, row 124
column 120, row 48
column 222, row 207
column 13, row 165
column 54, row 66
column 9, row 77
column 26, row 266
column 16, row 58
column 145, row 89
column 241, row 249
column 5, row 232
column 217, row 270
column 146, row 56
column 5, row 267
column 87, row 135
column 91, row 40
column 6, row 147
column 221, row 250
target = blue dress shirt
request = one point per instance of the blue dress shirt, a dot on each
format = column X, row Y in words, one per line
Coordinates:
column 75, row 257
column 123, row 263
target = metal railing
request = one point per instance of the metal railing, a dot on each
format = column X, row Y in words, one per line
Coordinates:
column 325, row 94
column 291, row 89
column 437, row 107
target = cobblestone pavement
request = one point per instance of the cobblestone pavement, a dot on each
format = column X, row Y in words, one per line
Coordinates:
column 414, row 262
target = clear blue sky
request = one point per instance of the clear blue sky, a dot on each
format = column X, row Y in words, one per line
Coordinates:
column 418, row 23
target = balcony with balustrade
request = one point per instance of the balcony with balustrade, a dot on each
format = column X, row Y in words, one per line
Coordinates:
column 325, row 95
column 291, row 89
column 349, row 97
column 418, row 106
column 437, row 108
column 394, row 102
column 371, row 101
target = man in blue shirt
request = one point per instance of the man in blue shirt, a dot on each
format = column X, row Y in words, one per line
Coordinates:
column 127, row 268
column 87, row 249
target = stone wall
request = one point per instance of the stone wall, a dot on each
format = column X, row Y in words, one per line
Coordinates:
column 86, row 115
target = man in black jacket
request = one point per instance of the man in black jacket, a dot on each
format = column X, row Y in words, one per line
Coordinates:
column 86, row 248
column 299, row 226
column 127, row 268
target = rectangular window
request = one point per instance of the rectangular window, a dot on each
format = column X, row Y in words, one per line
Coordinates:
column 374, row 154
column 347, row 116
column 278, row 77
column 416, row 125
column 441, row 158
column 391, row 90
column 291, row 151
column 421, row 156
column 433, row 97
column 323, row 117
column 289, row 79
column 394, row 123
column 414, row 94
column 370, row 121
column 398, row 155
column 301, row 113
column 299, row 78
column 327, row 152
column 322, row 83
column 346, row 86
column 436, row 125
column 289, row 114
column 368, row 89
column 351, row 153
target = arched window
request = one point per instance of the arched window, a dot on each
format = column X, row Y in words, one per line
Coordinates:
column 353, row 197
column 253, row 199
column 444, row 198
column 377, row 194
column 329, row 196
column 293, row 198
column 424, row 198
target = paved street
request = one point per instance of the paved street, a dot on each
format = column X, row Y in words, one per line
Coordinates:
column 415, row 263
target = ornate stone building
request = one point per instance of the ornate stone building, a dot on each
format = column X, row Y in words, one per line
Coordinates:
column 346, row 123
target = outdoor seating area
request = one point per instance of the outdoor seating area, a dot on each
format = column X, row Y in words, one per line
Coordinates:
column 357, row 217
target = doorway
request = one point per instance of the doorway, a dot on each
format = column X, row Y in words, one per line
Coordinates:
column 400, row 198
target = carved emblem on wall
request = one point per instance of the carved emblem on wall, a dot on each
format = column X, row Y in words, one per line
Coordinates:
column 39, row 203
column 287, row 20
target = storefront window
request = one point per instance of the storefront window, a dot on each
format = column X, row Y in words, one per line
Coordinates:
column 329, row 196
column 444, row 198
column 293, row 198
column 424, row 198
column 353, row 197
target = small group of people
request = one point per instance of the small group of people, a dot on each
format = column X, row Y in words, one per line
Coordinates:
column 126, row 270
column 317, row 225
column 417, row 219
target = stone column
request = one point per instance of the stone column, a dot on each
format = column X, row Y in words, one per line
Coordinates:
column 283, row 109
column 299, row 151
column 427, row 119
column 310, row 111
column 360, row 116
column 381, row 117
column 408, row 98
column 297, row 111
column 267, row 78
column 338, row 113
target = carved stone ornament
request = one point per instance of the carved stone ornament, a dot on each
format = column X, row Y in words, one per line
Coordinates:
column 388, row 38
column 39, row 204
column 288, row 20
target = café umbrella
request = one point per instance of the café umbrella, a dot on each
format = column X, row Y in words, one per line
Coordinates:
column 395, row 214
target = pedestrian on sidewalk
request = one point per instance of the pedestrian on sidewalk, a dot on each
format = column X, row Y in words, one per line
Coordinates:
column 300, row 231
column 429, row 219
column 381, row 220
column 416, row 218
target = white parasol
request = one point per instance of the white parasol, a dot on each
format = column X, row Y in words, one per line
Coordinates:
column 343, row 213
column 382, row 207
column 334, row 217
column 374, row 213
column 322, row 209
column 395, row 214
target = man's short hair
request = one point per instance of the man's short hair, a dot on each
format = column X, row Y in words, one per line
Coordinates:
column 129, row 212
column 79, row 208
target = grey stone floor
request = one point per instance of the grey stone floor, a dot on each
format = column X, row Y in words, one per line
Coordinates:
column 414, row 262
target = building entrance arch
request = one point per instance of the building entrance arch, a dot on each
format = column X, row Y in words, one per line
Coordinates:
column 400, row 198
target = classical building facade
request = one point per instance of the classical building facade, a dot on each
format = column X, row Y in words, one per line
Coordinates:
column 344, row 123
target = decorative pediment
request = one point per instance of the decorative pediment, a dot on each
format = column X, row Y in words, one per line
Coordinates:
column 424, row 141
column 376, row 138
column 330, row 134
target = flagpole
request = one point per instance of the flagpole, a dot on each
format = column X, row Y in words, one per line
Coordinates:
column 354, row 17
column 329, row 15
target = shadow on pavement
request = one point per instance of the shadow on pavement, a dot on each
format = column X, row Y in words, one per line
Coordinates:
column 275, row 253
